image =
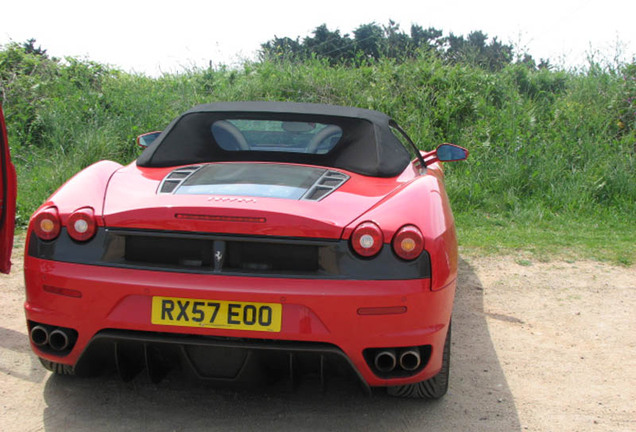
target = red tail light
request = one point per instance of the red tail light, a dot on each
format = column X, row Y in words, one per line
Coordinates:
column 367, row 239
column 408, row 242
column 81, row 224
column 47, row 224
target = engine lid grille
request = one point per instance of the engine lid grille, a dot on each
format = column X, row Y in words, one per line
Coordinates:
column 173, row 180
column 326, row 184
column 295, row 182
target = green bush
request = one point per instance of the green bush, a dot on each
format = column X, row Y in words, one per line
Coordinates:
column 543, row 143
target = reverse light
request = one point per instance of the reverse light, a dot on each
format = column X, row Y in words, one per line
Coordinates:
column 408, row 242
column 383, row 310
column 367, row 239
column 47, row 224
column 81, row 225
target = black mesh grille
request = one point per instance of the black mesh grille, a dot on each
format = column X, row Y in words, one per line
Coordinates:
column 169, row 185
column 271, row 257
column 168, row 251
column 230, row 255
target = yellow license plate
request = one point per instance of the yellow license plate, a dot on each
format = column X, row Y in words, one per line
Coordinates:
column 187, row 312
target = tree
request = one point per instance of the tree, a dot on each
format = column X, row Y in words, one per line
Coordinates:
column 431, row 38
column 496, row 55
column 475, row 50
column 329, row 44
column 369, row 39
column 372, row 41
column 29, row 48
column 397, row 44
column 283, row 49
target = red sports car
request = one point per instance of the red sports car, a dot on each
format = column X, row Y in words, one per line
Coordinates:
column 268, row 236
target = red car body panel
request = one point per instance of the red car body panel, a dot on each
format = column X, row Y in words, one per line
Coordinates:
column 317, row 308
column 8, row 189
column 73, row 195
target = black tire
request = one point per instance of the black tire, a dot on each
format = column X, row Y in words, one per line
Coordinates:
column 57, row 368
column 432, row 388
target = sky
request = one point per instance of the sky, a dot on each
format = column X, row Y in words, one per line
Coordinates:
column 155, row 37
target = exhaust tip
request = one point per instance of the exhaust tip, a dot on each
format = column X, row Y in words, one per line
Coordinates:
column 39, row 335
column 58, row 340
column 385, row 361
column 410, row 359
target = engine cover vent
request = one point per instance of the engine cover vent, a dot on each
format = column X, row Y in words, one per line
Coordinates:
column 327, row 183
column 173, row 180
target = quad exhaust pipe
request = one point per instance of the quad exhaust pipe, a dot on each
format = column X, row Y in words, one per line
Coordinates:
column 406, row 359
column 47, row 337
column 410, row 359
column 385, row 361
column 58, row 340
column 39, row 335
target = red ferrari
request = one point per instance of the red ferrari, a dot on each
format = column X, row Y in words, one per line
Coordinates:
column 277, row 237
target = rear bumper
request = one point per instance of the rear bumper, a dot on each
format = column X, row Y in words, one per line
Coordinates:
column 314, row 310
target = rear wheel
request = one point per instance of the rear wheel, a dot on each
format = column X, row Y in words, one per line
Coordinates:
column 432, row 388
column 57, row 368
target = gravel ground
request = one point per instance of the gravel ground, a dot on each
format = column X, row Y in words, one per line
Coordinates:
column 537, row 347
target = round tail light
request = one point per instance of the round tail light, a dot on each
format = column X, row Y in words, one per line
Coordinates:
column 367, row 239
column 47, row 224
column 81, row 225
column 408, row 242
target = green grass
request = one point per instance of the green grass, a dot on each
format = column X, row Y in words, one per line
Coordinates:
column 602, row 238
column 552, row 169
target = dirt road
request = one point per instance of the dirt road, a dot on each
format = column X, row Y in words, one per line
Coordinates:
column 541, row 347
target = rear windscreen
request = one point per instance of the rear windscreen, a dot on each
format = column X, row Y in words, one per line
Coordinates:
column 275, row 136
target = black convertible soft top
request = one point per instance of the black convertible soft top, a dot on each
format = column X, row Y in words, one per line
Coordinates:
column 367, row 145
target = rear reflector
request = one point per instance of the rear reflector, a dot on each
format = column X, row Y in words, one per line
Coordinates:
column 390, row 310
column 62, row 291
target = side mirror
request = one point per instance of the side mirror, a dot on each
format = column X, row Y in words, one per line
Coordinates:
column 451, row 152
column 146, row 139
